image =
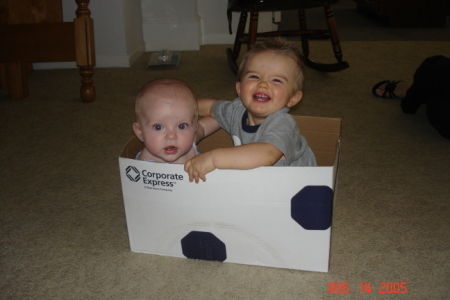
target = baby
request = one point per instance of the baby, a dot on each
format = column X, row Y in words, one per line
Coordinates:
column 167, row 122
column 270, row 81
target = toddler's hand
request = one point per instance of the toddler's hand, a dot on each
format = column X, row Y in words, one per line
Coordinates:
column 198, row 166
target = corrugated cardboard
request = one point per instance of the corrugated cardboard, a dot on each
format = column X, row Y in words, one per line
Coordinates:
column 269, row 216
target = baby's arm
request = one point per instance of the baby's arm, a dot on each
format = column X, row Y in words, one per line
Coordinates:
column 242, row 157
column 206, row 126
column 205, row 106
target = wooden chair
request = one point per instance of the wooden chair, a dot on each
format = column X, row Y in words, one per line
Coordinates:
column 255, row 6
column 33, row 31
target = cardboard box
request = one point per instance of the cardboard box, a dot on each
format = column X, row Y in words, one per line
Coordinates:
column 268, row 216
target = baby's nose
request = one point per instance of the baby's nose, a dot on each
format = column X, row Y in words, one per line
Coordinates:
column 171, row 135
column 263, row 83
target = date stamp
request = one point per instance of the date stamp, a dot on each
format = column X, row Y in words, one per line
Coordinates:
column 367, row 287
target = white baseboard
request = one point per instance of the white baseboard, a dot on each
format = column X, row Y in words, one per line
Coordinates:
column 136, row 53
column 119, row 61
column 102, row 61
column 214, row 39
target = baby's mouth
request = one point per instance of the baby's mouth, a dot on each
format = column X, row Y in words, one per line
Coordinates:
column 171, row 150
column 261, row 97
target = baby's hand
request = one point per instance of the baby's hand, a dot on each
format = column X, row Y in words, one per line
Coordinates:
column 198, row 166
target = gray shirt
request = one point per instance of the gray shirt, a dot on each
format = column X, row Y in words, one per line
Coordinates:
column 279, row 129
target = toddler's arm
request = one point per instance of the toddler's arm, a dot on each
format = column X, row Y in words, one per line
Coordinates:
column 205, row 106
column 206, row 126
column 242, row 157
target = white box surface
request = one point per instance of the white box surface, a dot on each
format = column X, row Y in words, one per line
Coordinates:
column 269, row 216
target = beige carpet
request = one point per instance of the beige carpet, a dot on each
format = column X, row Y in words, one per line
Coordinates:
column 63, row 231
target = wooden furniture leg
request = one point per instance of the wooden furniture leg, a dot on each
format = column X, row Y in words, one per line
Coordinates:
column 3, row 77
column 253, row 27
column 233, row 55
column 304, row 35
column 255, row 6
column 333, row 32
column 33, row 31
column 17, row 79
column 85, row 51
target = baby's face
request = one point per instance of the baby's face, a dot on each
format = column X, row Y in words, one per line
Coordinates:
column 268, row 84
column 167, row 128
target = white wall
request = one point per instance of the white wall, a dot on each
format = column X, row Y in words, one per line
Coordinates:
column 171, row 24
column 125, row 29
column 133, row 30
column 214, row 22
column 117, row 31
column 187, row 24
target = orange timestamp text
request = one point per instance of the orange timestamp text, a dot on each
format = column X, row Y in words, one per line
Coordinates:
column 366, row 287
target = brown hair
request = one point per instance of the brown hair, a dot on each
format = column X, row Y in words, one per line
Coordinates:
column 280, row 46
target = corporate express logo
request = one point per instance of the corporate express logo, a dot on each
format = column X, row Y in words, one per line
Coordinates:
column 153, row 180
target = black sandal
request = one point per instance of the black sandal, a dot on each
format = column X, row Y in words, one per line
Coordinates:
column 388, row 90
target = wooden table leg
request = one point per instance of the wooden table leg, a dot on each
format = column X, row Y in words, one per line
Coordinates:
column 87, row 91
column 85, row 50
column 3, row 77
column 17, row 79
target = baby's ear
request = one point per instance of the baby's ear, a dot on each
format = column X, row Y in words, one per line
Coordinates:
column 196, row 126
column 295, row 99
column 137, row 131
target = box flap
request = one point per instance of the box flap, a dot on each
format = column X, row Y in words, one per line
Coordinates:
column 322, row 134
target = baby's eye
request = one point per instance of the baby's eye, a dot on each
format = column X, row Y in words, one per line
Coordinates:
column 183, row 126
column 253, row 76
column 277, row 80
column 157, row 127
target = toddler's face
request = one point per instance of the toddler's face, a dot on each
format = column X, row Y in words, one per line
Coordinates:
column 167, row 128
column 268, row 84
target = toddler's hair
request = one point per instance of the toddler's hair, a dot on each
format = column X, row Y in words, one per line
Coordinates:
column 280, row 46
